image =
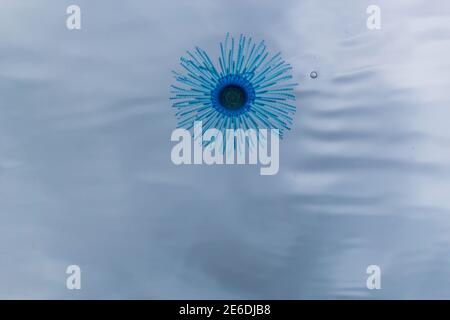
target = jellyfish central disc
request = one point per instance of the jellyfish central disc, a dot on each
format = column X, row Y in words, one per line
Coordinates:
column 232, row 97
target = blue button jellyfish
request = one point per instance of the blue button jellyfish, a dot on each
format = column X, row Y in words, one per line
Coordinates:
column 248, row 89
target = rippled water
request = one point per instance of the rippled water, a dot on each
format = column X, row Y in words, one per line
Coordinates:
column 86, row 176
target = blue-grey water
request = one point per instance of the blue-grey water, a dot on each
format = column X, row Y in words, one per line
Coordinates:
column 86, row 176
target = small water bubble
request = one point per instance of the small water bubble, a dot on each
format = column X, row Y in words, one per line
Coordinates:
column 313, row 74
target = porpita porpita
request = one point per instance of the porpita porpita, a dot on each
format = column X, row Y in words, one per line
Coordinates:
column 247, row 89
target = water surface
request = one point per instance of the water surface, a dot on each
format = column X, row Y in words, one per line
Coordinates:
column 86, row 176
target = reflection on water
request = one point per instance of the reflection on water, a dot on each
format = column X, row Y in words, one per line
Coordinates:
column 86, row 176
